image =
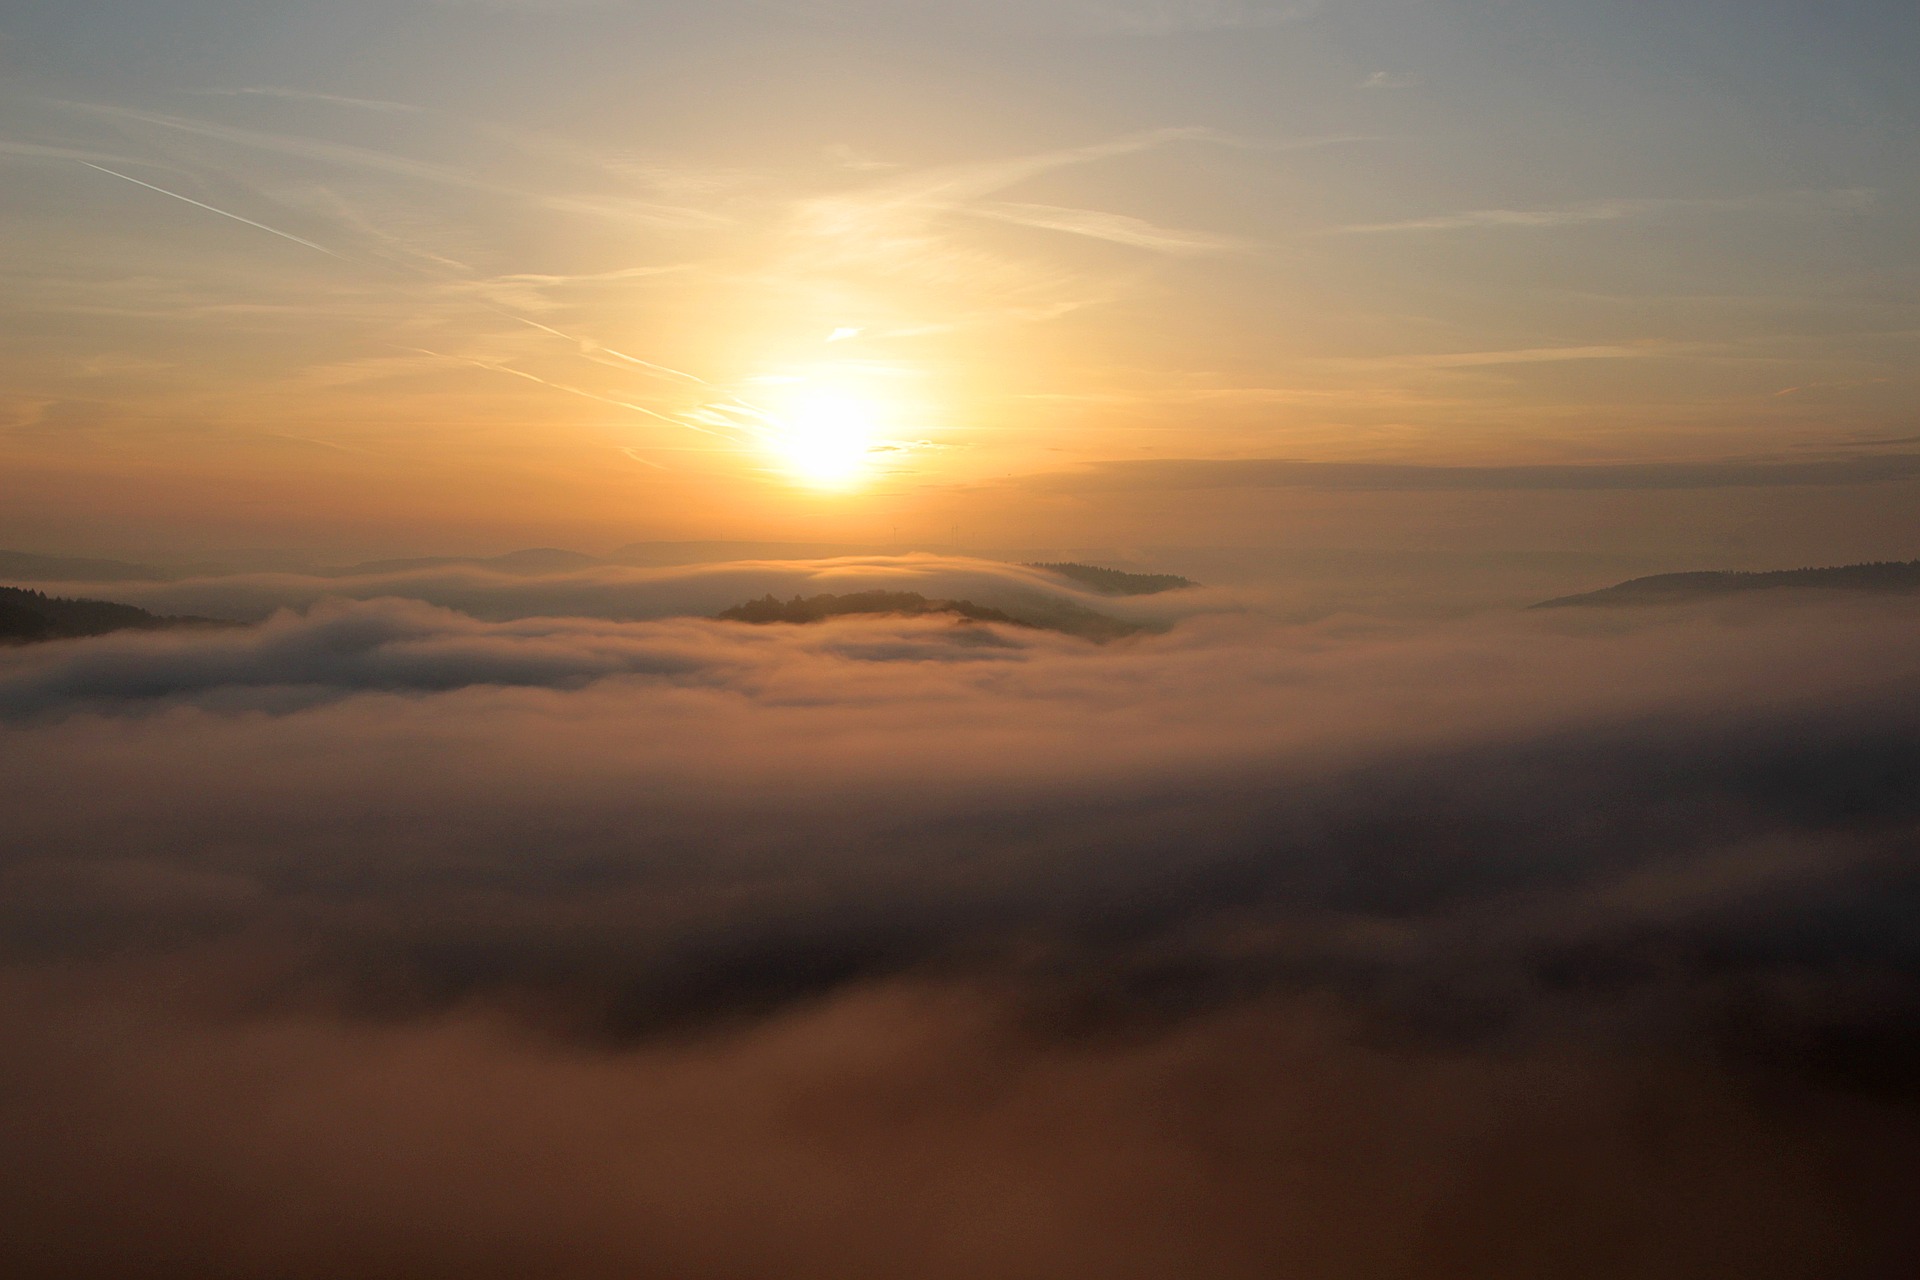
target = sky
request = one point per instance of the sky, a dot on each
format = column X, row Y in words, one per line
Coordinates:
column 440, row 276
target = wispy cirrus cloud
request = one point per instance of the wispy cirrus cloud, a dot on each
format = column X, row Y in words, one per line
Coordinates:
column 901, row 231
column 1117, row 228
column 1080, row 17
column 894, row 217
column 1841, row 200
column 1165, row 17
column 37, row 151
column 289, row 94
column 1476, row 359
column 897, row 250
column 929, row 191
column 372, row 159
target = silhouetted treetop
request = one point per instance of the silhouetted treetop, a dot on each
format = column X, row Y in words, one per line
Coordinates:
column 29, row 616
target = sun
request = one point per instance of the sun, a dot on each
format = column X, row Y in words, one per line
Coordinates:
column 825, row 435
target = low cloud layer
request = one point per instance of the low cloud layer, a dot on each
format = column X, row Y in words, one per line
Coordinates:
column 385, row 941
column 620, row 593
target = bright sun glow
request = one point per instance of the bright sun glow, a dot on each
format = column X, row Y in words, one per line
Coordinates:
column 825, row 435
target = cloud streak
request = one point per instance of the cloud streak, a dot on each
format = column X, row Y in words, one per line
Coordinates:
column 1117, row 228
column 1848, row 200
column 385, row 162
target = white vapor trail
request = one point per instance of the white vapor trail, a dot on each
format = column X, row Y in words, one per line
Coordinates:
column 574, row 391
column 583, row 343
column 590, row 347
column 284, row 235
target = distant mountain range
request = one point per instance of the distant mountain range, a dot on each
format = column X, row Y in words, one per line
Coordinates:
column 1881, row 576
column 26, row 566
column 663, row 555
column 532, row 562
column 30, row 616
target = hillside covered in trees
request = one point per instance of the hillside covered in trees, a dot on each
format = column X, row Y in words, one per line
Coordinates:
column 29, row 616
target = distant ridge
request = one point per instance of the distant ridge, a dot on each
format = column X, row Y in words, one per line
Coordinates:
column 1114, row 582
column 654, row 555
column 37, row 568
column 532, row 562
column 30, row 616
column 1880, row 576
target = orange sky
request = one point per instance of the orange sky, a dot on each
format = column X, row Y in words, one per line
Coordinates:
column 438, row 276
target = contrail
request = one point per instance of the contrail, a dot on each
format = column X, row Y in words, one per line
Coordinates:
column 588, row 346
column 210, row 209
column 575, row 391
column 585, row 345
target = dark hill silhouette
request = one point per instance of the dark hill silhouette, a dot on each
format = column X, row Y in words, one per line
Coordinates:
column 1114, row 582
column 1880, row 576
column 29, row 616
column 803, row 609
column 1059, row 616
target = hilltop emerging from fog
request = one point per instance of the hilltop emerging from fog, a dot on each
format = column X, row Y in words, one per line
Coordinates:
column 1058, row 616
column 1678, row 588
column 28, row 616
column 1114, row 582
column 801, row 609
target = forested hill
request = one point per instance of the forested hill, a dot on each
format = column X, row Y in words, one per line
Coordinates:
column 28, row 616
column 1675, row 588
column 1063, row 616
column 802, row 609
column 1115, row 582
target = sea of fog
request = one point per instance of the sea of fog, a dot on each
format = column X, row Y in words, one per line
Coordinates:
column 452, row 922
